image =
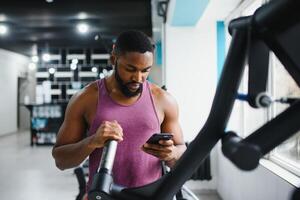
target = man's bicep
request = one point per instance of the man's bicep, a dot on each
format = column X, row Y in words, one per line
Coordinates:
column 171, row 122
column 175, row 129
column 73, row 127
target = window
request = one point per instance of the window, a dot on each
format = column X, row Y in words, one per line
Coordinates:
column 245, row 119
column 288, row 153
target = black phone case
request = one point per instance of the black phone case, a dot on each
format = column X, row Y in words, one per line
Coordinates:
column 155, row 138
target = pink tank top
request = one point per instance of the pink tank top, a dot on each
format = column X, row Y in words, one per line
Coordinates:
column 132, row 167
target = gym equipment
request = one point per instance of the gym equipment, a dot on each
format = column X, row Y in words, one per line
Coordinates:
column 274, row 26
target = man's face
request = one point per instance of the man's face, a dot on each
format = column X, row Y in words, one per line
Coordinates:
column 131, row 70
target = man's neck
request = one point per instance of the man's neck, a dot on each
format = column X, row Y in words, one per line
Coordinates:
column 115, row 92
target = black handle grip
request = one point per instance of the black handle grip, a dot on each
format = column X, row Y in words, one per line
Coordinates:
column 103, row 180
column 244, row 155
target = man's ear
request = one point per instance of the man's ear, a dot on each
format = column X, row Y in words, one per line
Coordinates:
column 112, row 58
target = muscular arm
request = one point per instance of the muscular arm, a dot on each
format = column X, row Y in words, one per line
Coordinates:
column 171, row 150
column 171, row 125
column 70, row 148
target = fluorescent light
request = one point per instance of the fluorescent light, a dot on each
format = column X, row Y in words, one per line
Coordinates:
column 82, row 16
column 73, row 66
column 35, row 59
column 49, row 1
column 51, row 70
column 32, row 66
column 46, row 57
column 83, row 28
column 75, row 61
column 3, row 18
column 94, row 69
column 3, row 29
column 105, row 72
column 101, row 75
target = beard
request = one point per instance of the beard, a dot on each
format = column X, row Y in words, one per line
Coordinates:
column 124, row 87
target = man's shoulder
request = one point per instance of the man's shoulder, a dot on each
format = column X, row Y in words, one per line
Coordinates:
column 86, row 94
column 91, row 88
column 156, row 91
column 163, row 97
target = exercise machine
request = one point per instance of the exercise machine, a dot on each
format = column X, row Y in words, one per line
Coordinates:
column 273, row 27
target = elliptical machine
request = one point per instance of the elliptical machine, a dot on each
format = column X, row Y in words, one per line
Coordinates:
column 276, row 27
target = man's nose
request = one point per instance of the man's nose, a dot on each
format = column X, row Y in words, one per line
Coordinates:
column 138, row 77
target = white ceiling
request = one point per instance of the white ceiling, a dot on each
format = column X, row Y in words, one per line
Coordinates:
column 220, row 9
column 216, row 10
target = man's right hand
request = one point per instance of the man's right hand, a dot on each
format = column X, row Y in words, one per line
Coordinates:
column 108, row 130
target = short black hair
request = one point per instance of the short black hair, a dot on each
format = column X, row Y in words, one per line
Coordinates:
column 133, row 41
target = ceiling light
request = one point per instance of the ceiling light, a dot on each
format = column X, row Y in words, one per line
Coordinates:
column 3, row 29
column 32, row 66
column 46, row 57
column 3, row 18
column 35, row 59
column 96, row 37
column 94, row 69
column 51, row 70
column 82, row 15
column 101, row 76
column 105, row 72
column 49, row 1
column 83, row 28
column 73, row 66
column 75, row 61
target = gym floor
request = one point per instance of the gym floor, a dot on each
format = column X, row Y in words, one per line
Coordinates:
column 29, row 173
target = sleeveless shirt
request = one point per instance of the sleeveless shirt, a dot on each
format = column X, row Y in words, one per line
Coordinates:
column 132, row 166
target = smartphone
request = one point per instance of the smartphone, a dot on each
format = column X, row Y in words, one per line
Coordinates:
column 155, row 138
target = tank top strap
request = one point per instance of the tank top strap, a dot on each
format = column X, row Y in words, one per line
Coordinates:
column 149, row 95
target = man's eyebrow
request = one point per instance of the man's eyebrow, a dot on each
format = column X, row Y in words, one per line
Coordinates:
column 132, row 66
column 147, row 68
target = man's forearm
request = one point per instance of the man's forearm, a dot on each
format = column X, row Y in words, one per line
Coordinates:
column 180, row 149
column 71, row 155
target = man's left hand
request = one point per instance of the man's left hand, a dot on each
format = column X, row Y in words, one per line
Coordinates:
column 165, row 150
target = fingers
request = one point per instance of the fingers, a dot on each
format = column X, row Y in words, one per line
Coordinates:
column 112, row 126
column 158, row 147
column 111, row 135
column 164, row 150
column 108, row 130
column 166, row 142
column 162, row 155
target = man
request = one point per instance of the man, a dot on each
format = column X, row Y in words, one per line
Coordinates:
column 123, row 107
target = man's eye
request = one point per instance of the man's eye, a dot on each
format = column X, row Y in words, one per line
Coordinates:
column 146, row 70
column 130, row 70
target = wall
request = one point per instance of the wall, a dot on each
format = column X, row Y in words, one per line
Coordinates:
column 260, row 184
column 12, row 65
column 191, row 74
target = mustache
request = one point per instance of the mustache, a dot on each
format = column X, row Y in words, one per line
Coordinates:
column 134, row 82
